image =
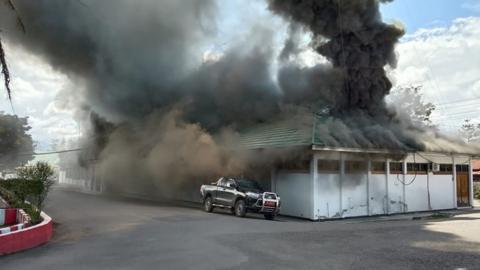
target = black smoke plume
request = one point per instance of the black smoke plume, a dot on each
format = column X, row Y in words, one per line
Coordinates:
column 353, row 38
column 174, row 117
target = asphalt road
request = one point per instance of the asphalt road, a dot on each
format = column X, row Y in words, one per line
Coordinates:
column 95, row 232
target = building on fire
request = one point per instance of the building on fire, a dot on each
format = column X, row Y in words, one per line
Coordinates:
column 340, row 182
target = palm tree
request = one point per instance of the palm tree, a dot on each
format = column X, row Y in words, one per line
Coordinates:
column 3, row 61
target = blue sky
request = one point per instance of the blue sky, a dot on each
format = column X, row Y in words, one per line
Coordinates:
column 415, row 14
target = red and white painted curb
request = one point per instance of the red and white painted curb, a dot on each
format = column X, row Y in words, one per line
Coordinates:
column 8, row 216
column 25, row 238
column 16, row 218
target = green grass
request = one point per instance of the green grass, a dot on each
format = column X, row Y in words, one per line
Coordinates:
column 440, row 215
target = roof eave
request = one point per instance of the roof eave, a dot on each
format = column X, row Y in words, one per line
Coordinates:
column 317, row 147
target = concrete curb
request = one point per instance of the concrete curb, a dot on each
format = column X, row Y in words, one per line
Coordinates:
column 27, row 238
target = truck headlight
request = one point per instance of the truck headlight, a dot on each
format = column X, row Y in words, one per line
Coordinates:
column 252, row 195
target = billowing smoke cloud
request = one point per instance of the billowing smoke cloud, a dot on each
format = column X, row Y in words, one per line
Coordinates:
column 162, row 114
column 138, row 65
column 354, row 39
column 359, row 45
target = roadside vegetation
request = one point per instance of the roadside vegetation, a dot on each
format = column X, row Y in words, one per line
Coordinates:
column 29, row 190
column 476, row 191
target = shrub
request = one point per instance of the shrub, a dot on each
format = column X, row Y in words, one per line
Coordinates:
column 38, row 179
column 476, row 191
column 14, row 202
column 22, row 189
column 32, row 186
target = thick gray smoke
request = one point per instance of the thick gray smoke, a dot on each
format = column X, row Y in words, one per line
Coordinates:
column 138, row 65
column 353, row 38
column 359, row 45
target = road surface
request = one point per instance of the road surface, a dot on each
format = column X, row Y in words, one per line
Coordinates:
column 95, row 232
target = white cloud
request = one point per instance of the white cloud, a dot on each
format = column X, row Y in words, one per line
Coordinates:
column 445, row 61
column 35, row 86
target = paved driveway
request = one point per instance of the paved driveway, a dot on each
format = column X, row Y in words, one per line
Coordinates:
column 94, row 232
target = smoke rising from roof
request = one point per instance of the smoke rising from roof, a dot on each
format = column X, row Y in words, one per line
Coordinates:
column 138, row 65
column 354, row 39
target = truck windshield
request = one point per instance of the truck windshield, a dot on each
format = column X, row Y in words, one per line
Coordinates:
column 248, row 184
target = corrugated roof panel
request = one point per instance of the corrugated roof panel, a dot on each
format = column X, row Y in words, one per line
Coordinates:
column 282, row 134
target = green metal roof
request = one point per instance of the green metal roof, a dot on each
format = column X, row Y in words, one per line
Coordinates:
column 288, row 133
column 312, row 130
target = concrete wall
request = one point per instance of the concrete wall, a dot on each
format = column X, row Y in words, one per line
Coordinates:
column 327, row 195
column 396, row 192
column 328, row 205
column 84, row 178
column 294, row 191
column 416, row 193
column 442, row 192
column 378, row 200
column 354, row 195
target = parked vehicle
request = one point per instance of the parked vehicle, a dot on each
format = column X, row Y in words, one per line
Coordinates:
column 240, row 195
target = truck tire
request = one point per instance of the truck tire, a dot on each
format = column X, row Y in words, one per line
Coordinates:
column 208, row 204
column 269, row 216
column 240, row 208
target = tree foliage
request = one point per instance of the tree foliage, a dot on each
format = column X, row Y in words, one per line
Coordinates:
column 470, row 131
column 3, row 60
column 40, row 176
column 5, row 71
column 408, row 100
column 16, row 145
column 30, row 190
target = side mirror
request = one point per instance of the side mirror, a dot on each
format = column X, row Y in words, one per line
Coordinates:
column 232, row 185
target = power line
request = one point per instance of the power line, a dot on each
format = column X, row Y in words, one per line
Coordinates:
column 60, row 151
column 51, row 152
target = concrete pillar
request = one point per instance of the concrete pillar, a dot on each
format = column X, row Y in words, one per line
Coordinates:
column 387, row 173
column 369, row 176
column 342, row 176
column 404, row 173
column 455, row 200
column 314, row 191
column 470, row 181
column 273, row 186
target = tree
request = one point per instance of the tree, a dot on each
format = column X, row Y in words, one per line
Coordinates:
column 16, row 145
column 3, row 61
column 40, row 177
column 470, row 131
column 408, row 100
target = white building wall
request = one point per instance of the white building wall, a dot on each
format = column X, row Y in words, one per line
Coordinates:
column 378, row 194
column 294, row 190
column 396, row 200
column 354, row 195
column 442, row 191
column 328, row 194
column 339, row 195
column 416, row 194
